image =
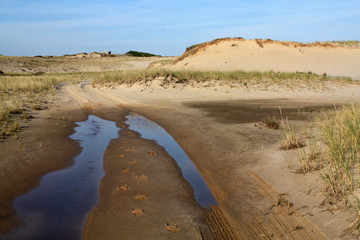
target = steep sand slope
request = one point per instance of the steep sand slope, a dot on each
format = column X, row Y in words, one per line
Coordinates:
column 267, row 55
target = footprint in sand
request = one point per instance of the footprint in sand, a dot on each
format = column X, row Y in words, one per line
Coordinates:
column 152, row 153
column 172, row 227
column 137, row 212
column 140, row 197
column 141, row 178
column 133, row 163
column 123, row 188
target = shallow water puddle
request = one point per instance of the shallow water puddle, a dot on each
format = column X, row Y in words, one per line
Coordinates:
column 151, row 130
column 57, row 209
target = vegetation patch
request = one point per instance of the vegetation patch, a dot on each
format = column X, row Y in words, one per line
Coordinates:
column 140, row 54
column 193, row 49
column 338, row 159
column 19, row 94
column 271, row 123
column 341, row 134
column 311, row 159
column 291, row 139
column 266, row 79
column 193, row 46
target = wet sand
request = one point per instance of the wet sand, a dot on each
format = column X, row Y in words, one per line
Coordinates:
column 45, row 146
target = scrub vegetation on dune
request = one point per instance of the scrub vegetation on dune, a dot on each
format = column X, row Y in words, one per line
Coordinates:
column 21, row 92
column 18, row 95
column 140, row 54
column 69, row 63
column 246, row 78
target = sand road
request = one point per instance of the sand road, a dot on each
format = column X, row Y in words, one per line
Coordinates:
column 144, row 195
column 233, row 156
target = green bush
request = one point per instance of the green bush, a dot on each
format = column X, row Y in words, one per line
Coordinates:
column 140, row 54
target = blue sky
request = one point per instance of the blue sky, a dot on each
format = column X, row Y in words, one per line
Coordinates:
column 55, row 27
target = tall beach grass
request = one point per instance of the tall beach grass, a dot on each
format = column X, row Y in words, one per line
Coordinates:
column 245, row 77
column 341, row 133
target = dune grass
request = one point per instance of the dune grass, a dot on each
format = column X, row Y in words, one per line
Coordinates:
column 341, row 134
column 18, row 92
column 351, row 44
column 310, row 159
column 27, row 84
column 66, row 64
column 340, row 131
column 335, row 151
column 291, row 139
column 291, row 80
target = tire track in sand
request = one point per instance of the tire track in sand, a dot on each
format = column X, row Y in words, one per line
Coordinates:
column 278, row 224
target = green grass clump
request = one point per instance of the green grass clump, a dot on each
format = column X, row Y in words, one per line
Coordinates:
column 310, row 160
column 355, row 204
column 341, row 133
column 291, row 139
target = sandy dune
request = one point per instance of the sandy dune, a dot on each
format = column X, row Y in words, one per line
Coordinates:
column 217, row 123
column 257, row 55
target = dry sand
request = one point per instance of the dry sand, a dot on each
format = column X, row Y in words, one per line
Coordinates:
column 248, row 55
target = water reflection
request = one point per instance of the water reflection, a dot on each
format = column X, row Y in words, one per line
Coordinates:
column 151, row 130
column 57, row 209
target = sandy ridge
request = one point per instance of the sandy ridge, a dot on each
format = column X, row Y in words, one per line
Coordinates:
column 261, row 55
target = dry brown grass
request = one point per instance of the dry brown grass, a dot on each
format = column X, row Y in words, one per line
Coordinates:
column 326, row 44
column 65, row 64
column 291, row 139
column 202, row 46
column 290, row 80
